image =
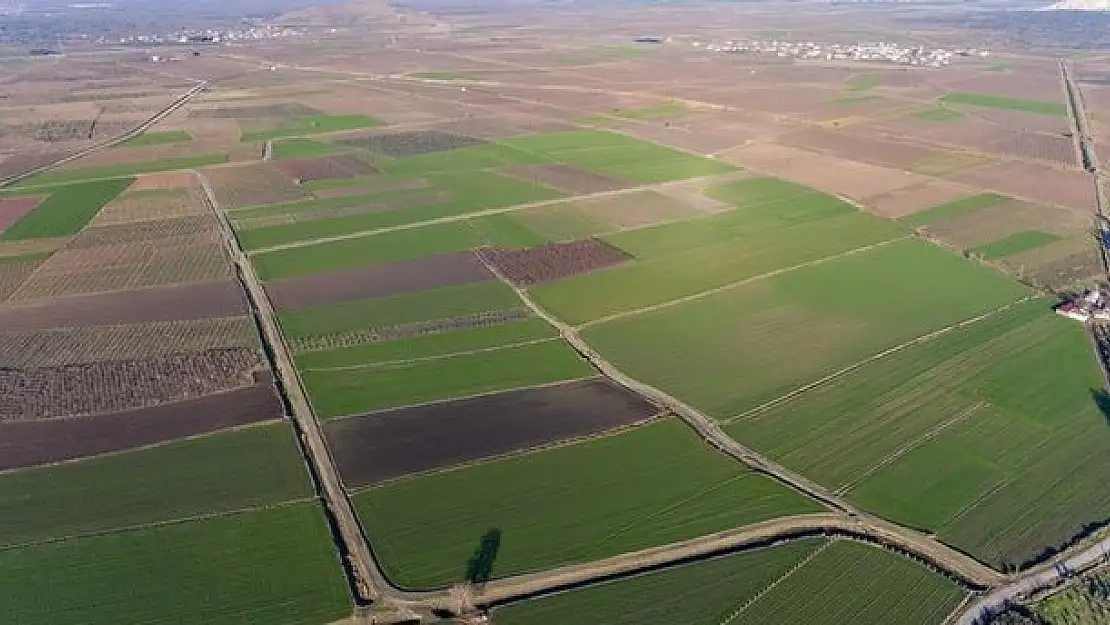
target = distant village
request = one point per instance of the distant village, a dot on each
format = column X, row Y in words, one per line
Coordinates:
column 882, row 52
column 256, row 32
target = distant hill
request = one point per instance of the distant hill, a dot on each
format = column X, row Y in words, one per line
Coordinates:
column 1080, row 5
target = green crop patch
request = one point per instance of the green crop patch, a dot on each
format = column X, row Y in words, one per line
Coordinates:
column 429, row 346
column 849, row 100
column 939, row 114
column 255, row 466
column 722, row 256
column 443, row 74
column 756, row 191
column 561, row 222
column 863, row 82
column 1014, row 244
column 491, row 155
column 303, row 148
column 650, row 486
column 661, row 111
column 734, row 349
column 383, row 312
column 986, row 100
column 953, row 209
column 122, row 170
column 312, row 125
column 17, row 259
column 66, row 211
column 273, row 566
column 808, row 581
column 351, row 391
column 157, row 138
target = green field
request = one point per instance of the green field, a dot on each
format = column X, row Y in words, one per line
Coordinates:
column 1083, row 602
column 1014, row 244
column 863, row 82
column 251, row 467
column 443, row 74
column 429, row 346
column 382, row 312
column 669, row 109
column 953, row 209
column 275, row 566
column 561, row 222
column 303, row 148
column 312, row 125
column 938, row 114
column 364, row 389
column 122, row 170
column 841, row 582
column 986, row 100
column 24, row 258
column 66, row 211
column 649, row 486
column 742, row 346
column 778, row 225
column 465, row 193
column 467, row 159
column 157, row 138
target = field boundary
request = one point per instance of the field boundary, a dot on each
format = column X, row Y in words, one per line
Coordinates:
column 420, row 359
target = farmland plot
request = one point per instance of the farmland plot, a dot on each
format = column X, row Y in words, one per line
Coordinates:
column 122, row 170
column 138, row 205
column 837, row 582
column 65, row 211
column 252, row 185
column 736, row 348
column 650, row 486
column 268, row 566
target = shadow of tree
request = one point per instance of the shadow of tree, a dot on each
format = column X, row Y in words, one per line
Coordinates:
column 1102, row 400
column 479, row 568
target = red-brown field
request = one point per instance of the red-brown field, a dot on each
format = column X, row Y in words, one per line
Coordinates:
column 31, row 443
column 565, row 178
column 13, row 208
column 114, row 386
column 553, row 261
column 902, row 202
column 325, row 168
column 1040, row 183
column 253, row 185
column 151, row 204
column 1037, row 146
column 187, row 301
column 383, row 445
column 365, row 282
column 849, row 144
column 202, row 227
column 406, row 331
column 164, row 180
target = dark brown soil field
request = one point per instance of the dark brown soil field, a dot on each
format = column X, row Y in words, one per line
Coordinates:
column 391, row 279
column 325, row 168
column 379, row 446
column 411, row 143
column 105, row 387
column 553, row 261
column 11, row 209
column 566, row 178
column 31, row 443
column 1052, row 148
column 188, row 301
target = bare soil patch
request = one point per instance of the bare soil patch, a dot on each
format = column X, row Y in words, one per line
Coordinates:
column 152, row 230
column 411, row 143
column 12, row 276
column 553, row 261
column 1055, row 149
column 1039, row 183
column 163, row 180
column 1001, row 220
column 377, row 186
column 32, row 443
column 189, row 301
column 379, row 446
column 566, row 178
column 909, row 200
column 637, row 209
column 253, row 185
column 13, row 208
column 113, row 386
column 1062, row 264
column 151, row 204
column 850, row 145
column 255, row 112
column 379, row 281
column 325, row 168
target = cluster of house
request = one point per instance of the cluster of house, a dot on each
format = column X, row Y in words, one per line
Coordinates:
column 882, row 51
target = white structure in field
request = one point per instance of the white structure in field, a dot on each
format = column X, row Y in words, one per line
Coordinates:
column 1092, row 305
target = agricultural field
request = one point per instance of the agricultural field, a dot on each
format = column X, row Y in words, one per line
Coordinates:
column 809, row 581
column 65, row 210
column 986, row 100
column 122, row 170
column 651, row 485
column 157, row 138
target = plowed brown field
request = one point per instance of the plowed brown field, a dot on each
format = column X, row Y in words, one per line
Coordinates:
column 13, row 208
column 553, row 261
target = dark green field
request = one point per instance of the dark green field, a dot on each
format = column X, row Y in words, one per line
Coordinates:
column 66, row 210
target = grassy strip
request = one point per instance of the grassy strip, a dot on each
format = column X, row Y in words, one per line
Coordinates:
column 66, row 211
column 938, row 114
column 275, row 566
column 314, row 124
column 353, row 391
column 670, row 109
column 430, row 345
column 122, row 170
column 24, row 258
column 650, row 486
column 863, row 82
column 157, row 138
column 251, row 467
column 953, row 209
column 381, row 312
column 1014, row 244
column 986, row 100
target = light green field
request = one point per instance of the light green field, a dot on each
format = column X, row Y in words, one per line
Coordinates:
column 382, row 312
column 313, row 125
column 953, row 209
column 1038, row 107
column 1014, row 244
column 157, row 138
column 774, row 230
column 24, row 258
column 364, row 389
column 491, row 155
column 737, row 348
column 863, row 82
column 275, row 566
column 466, row 193
column 122, row 170
column 561, row 222
column 939, row 114
column 841, row 582
column 669, row 109
column 251, row 467
column 66, row 211
column 303, row 148
column 650, row 486
column 444, row 74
